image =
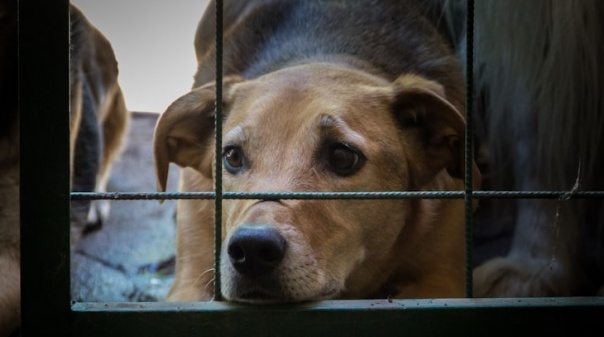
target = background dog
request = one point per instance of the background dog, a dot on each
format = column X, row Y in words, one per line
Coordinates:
column 99, row 119
column 322, row 96
column 540, row 115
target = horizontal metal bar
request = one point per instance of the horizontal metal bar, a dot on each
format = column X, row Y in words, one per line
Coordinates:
column 565, row 195
column 327, row 305
column 339, row 195
column 425, row 317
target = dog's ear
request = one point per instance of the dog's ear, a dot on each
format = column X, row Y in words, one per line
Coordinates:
column 422, row 110
column 184, row 133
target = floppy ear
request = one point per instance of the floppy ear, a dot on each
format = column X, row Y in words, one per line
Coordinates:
column 184, row 133
column 421, row 107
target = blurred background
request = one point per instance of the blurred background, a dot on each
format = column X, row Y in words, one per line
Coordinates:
column 130, row 258
column 153, row 42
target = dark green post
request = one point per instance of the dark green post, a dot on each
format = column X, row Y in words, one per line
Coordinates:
column 44, row 149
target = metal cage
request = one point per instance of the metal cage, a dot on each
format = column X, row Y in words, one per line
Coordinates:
column 47, row 309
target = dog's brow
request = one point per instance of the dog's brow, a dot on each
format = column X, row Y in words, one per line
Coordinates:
column 336, row 128
column 235, row 135
column 328, row 121
column 330, row 126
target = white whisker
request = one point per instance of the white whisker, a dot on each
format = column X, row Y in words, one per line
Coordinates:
column 205, row 288
column 202, row 274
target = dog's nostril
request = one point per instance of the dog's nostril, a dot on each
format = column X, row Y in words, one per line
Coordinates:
column 236, row 252
column 269, row 254
column 256, row 250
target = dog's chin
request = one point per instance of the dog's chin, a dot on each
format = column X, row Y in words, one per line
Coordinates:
column 267, row 297
column 259, row 297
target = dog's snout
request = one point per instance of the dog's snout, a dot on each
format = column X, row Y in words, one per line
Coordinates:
column 256, row 250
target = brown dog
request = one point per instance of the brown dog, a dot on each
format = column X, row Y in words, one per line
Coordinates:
column 99, row 120
column 322, row 96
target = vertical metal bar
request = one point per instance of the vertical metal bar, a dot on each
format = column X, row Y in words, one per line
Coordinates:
column 469, row 211
column 218, row 152
column 44, row 166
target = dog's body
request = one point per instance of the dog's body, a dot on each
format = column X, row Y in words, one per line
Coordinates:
column 539, row 84
column 322, row 96
column 99, row 120
column 539, row 121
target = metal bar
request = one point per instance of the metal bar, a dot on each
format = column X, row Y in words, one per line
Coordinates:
column 46, row 311
column 563, row 195
column 469, row 152
column 218, row 153
column 425, row 317
column 44, row 167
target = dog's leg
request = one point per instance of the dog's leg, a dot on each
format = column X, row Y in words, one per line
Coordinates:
column 542, row 75
column 10, row 294
column 114, row 126
column 195, row 258
column 86, row 159
column 10, row 270
column 541, row 258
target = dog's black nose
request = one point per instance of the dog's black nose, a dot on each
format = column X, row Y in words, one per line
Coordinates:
column 256, row 250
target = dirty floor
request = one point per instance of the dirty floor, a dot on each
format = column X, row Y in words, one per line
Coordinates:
column 131, row 257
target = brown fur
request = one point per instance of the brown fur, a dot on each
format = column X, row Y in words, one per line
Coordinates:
column 95, row 94
column 285, row 106
column 96, row 101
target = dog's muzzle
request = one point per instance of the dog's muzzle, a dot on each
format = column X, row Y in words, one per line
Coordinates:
column 265, row 261
column 253, row 265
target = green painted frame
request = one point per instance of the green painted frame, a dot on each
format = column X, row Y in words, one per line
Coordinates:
column 47, row 309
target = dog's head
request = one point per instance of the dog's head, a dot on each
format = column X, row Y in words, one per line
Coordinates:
column 314, row 127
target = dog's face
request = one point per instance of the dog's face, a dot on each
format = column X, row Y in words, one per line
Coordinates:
column 317, row 128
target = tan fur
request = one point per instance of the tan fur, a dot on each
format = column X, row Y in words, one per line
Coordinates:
column 94, row 64
column 335, row 248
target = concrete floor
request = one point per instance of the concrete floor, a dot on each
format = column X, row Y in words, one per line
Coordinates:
column 131, row 257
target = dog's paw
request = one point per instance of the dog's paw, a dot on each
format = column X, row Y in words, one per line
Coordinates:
column 506, row 277
column 98, row 213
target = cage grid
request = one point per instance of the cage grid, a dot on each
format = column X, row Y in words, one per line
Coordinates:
column 45, row 195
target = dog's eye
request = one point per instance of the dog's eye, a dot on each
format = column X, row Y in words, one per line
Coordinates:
column 232, row 158
column 344, row 160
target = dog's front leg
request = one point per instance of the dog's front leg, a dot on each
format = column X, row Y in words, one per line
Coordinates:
column 540, row 260
column 10, row 301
